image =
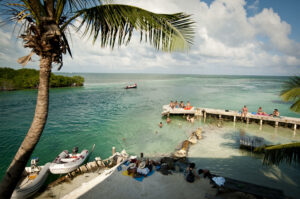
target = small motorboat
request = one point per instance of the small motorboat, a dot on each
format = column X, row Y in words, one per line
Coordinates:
column 131, row 86
column 65, row 162
column 32, row 180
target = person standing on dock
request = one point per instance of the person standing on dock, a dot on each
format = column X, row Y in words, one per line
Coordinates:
column 244, row 112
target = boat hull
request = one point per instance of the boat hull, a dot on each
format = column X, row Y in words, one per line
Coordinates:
column 31, row 187
column 58, row 167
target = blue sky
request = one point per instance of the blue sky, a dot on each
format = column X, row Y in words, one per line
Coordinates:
column 233, row 37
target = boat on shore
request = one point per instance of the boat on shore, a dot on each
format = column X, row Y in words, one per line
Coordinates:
column 65, row 162
column 131, row 86
column 33, row 179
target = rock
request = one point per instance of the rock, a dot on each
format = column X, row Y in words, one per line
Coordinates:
column 193, row 139
column 180, row 154
column 198, row 133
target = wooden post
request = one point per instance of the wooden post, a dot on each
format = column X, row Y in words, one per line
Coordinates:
column 113, row 150
column 204, row 114
column 295, row 126
column 220, row 116
column 261, row 122
column 276, row 124
column 234, row 118
column 247, row 120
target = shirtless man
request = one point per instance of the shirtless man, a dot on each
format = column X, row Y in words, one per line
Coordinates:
column 244, row 112
column 275, row 113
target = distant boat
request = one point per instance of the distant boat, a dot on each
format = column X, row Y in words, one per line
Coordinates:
column 65, row 162
column 131, row 86
column 33, row 179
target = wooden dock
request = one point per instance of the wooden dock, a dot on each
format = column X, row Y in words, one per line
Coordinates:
column 234, row 116
column 246, row 187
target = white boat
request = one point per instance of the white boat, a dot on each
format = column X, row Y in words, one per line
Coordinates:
column 65, row 162
column 33, row 179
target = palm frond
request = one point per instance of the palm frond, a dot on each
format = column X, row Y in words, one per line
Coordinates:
column 291, row 92
column 116, row 22
column 277, row 154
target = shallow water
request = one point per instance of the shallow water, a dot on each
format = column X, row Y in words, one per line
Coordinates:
column 104, row 113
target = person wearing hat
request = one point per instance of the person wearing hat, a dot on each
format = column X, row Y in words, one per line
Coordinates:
column 142, row 169
column 132, row 169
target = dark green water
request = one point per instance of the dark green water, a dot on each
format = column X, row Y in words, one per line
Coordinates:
column 104, row 113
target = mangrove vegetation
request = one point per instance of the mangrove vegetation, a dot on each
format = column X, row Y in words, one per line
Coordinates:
column 11, row 79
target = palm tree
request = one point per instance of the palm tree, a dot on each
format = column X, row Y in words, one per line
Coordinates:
column 291, row 92
column 44, row 24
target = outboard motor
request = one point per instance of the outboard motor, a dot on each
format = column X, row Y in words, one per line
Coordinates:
column 34, row 162
column 75, row 150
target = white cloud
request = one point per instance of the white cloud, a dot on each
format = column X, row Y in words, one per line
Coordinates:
column 227, row 41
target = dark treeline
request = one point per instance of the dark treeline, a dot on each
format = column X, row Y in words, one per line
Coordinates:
column 11, row 79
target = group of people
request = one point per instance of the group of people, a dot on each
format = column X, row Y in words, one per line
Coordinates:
column 259, row 112
column 140, row 167
column 180, row 105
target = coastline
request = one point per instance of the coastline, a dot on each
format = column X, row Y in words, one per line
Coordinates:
column 111, row 183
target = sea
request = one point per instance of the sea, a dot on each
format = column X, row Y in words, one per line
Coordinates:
column 103, row 113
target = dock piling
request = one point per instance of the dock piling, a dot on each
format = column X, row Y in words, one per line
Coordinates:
column 261, row 122
column 113, row 150
column 295, row 126
column 276, row 124
column 234, row 118
column 247, row 120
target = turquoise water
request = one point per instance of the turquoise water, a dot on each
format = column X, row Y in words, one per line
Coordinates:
column 104, row 113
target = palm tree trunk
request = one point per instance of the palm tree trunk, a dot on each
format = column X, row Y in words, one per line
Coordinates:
column 14, row 171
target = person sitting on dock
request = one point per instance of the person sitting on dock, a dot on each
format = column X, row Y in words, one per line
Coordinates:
column 260, row 112
column 176, row 105
column 188, row 105
column 244, row 112
column 171, row 104
column 275, row 113
column 181, row 105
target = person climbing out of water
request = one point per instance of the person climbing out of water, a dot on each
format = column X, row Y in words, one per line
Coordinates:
column 160, row 125
column 244, row 112
column 192, row 119
column 188, row 118
column 168, row 120
column 191, row 173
